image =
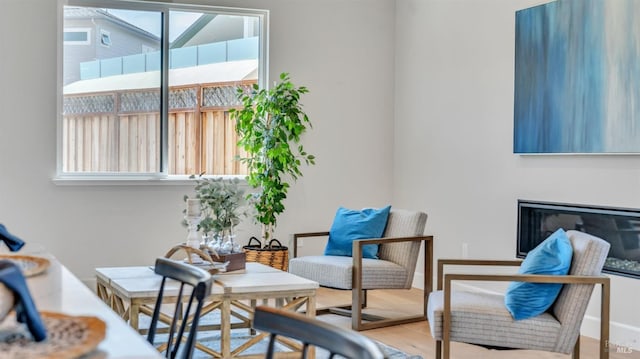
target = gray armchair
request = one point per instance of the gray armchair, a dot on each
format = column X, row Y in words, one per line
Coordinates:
column 398, row 256
column 483, row 319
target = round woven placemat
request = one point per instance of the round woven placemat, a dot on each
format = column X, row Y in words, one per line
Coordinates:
column 29, row 265
column 67, row 337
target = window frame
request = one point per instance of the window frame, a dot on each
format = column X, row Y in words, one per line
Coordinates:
column 161, row 177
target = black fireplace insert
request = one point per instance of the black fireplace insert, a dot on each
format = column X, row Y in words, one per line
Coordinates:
column 618, row 226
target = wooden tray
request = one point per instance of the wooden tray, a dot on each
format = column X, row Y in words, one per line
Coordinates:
column 207, row 263
column 67, row 337
column 30, row 265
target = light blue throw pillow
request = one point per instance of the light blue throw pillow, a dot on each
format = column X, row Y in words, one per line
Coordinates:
column 552, row 256
column 349, row 225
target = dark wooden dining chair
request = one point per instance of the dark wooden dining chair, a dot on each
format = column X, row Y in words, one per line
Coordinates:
column 336, row 340
column 199, row 282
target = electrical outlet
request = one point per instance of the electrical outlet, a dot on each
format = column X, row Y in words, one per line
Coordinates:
column 300, row 242
column 465, row 250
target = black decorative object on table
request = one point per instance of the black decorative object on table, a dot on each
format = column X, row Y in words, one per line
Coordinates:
column 26, row 312
column 14, row 243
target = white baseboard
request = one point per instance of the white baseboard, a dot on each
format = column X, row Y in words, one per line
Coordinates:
column 624, row 336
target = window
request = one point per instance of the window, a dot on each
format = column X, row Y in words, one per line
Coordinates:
column 105, row 37
column 151, row 97
column 77, row 36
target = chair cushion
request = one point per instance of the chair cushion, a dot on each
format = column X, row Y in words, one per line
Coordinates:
column 552, row 256
column 336, row 272
column 349, row 225
column 481, row 318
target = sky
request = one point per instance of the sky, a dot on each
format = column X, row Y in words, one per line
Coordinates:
column 150, row 21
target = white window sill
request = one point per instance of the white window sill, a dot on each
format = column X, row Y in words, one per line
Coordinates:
column 131, row 180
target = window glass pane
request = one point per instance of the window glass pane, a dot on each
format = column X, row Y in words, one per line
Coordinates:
column 78, row 36
column 211, row 54
column 111, row 104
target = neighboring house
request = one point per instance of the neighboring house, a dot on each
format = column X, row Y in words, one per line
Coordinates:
column 92, row 34
column 98, row 44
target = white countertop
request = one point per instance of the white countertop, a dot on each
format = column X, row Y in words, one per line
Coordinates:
column 58, row 290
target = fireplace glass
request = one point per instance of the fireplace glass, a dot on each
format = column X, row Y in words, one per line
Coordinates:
column 618, row 226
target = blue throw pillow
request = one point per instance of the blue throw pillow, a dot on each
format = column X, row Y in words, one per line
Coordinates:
column 552, row 256
column 349, row 225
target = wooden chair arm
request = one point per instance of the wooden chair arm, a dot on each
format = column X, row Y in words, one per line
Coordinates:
column 472, row 262
column 362, row 242
column 303, row 235
column 531, row 278
column 358, row 242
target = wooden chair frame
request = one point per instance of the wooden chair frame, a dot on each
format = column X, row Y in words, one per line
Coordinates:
column 443, row 347
column 359, row 295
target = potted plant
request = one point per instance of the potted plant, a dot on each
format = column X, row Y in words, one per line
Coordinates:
column 270, row 125
column 222, row 204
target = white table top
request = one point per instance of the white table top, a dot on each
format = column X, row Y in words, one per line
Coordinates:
column 58, row 290
column 258, row 282
column 141, row 282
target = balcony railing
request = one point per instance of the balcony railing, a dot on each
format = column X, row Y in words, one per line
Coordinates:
column 223, row 51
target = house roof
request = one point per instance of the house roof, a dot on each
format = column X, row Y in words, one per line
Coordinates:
column 188, row 34
column 71, row 12
column 211, row 73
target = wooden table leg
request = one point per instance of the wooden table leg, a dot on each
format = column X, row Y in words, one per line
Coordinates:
column 311, row 312
column 311, row 306
column 225, row 328
column 134, row 313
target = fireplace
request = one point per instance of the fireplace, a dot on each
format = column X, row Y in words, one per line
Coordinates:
column 618, row 226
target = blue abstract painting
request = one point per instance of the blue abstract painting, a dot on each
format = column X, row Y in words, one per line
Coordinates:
column 577, row 77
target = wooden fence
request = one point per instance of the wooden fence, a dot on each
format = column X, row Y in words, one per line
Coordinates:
column 116, row 131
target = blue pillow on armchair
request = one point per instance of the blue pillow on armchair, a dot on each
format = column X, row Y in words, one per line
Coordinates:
column 349, row 225
column 552, row 256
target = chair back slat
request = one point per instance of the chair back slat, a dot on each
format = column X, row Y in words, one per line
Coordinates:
column 200, row 283
column 589, row 255
column 344, row 342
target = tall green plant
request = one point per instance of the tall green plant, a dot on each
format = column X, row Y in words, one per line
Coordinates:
column 269, row 126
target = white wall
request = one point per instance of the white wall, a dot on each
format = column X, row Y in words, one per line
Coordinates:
column 453, row 150
column 341, row 50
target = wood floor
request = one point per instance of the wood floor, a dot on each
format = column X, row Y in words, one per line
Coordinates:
column 415, row 338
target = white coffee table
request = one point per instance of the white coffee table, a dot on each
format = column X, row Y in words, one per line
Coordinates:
column 132, row 291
